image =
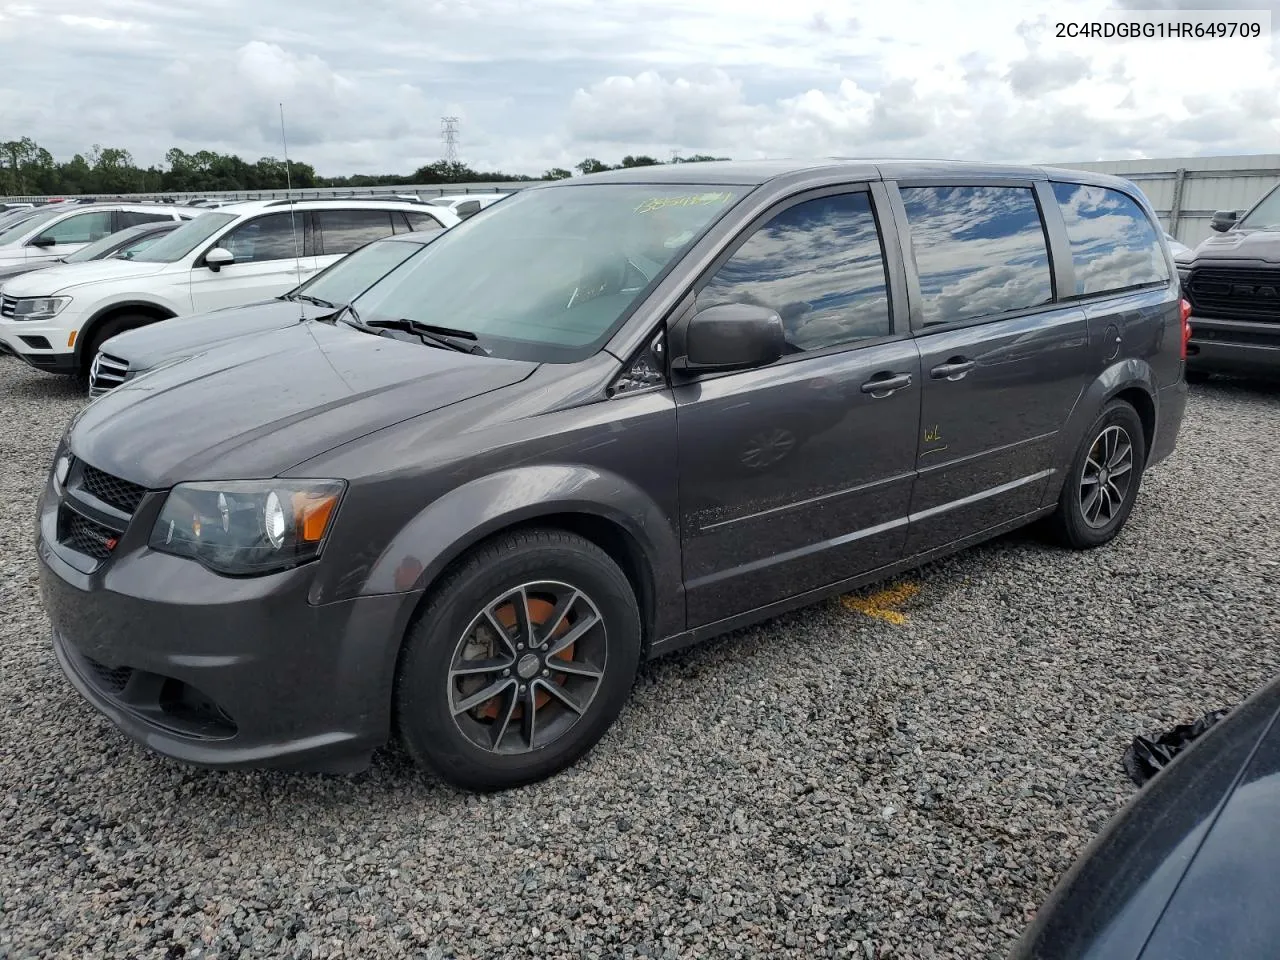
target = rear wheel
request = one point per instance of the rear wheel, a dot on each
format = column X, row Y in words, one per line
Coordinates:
column 520, row 662
column 1102, row 484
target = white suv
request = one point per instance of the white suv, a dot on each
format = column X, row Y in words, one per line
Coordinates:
column 63, row 228
column 55, row 319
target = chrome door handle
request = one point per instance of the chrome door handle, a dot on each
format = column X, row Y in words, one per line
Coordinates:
column 881, row 385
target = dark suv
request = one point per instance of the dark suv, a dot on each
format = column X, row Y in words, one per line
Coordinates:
column 1233, row 284
column 611, row 417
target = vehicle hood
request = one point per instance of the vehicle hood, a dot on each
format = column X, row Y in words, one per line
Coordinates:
column 1258, row 245
column 15, row 269
column 56, row 277
column 1187, row 869
column 256, row 406
column 182, row 336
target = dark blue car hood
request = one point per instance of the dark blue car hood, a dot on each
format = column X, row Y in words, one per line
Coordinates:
column 1188, row 869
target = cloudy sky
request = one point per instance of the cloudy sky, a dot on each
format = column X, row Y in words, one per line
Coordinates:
column 538, row 83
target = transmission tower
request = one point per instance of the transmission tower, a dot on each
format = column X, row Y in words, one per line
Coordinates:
column 449, row 134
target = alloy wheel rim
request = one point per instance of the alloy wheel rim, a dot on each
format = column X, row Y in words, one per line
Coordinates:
column 527, row 667
column 1107, row 477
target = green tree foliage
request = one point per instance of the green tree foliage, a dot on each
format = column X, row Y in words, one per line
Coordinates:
column 26, row 168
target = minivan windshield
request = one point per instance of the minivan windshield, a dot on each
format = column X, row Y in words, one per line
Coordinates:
column 186, row 238
column 1266, row 215
column 550, row 273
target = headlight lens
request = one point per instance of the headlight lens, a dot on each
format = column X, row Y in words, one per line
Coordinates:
column 246, row 527
column 39, row 308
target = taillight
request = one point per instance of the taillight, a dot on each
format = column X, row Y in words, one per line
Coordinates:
column 1186, row 326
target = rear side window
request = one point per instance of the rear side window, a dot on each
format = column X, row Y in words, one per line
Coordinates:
column 131, row 218
column 1114, row 246
column 423, row 221
column 819, row 265
column 980, row 251
column 345, row 230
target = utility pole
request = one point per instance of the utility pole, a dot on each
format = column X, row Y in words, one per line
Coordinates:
column 449, row 134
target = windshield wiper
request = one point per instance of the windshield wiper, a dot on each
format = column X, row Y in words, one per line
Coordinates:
column 310, row 299
column 445, row 337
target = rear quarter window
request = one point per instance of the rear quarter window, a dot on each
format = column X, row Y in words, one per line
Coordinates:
column 1114, row 244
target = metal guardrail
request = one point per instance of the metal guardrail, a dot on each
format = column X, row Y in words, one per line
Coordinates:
column 1172, row 215
column 298, row 193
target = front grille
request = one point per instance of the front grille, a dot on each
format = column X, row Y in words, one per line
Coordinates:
column 107, row 373
column 85, row 536
column 95, row 511
column 120, row 494
column 111, row 679
column 8, row 306
column 1244, row 294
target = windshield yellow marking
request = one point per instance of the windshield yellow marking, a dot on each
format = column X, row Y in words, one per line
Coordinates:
column 687, row 200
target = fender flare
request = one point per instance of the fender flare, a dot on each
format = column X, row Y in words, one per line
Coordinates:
column 1129, row 375
column 457, row 521
column 87, row 328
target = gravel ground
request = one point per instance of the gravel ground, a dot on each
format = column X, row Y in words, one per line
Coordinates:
column 825, row 785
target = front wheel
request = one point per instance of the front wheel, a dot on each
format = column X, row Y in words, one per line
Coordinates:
column 104, row 332
column 1102, row 483
column 521, row 661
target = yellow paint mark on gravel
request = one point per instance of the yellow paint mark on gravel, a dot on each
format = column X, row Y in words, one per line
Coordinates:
column 881, row 604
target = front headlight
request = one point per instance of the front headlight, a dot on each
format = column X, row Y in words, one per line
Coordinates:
column 39, row 308
column 242, row 527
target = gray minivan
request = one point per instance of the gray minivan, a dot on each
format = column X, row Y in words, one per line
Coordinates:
column 614, row 416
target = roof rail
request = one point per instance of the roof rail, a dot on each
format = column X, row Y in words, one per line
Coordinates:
column 388, row 197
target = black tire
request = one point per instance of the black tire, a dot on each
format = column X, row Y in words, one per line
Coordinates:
column 426, row 691
column 104, row 332
column 1198, row 376
column 1071, row 524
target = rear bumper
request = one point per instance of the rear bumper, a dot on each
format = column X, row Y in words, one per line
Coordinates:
column 1245, row 348
column 1170, row 410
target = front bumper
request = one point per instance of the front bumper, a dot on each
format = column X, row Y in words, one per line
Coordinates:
column 1244, row 348
column 219, row 671
column 41, row 344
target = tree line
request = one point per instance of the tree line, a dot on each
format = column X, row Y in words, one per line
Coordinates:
column 26, row 168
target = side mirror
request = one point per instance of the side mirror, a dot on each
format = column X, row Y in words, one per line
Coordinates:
column 1224, row 220
column 732, row 336
column 218, row 257
column 44, row 242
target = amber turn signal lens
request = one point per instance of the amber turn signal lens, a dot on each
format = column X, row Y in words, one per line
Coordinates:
column 312, row 514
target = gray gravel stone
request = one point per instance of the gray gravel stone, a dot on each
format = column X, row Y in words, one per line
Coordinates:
column 824, row 785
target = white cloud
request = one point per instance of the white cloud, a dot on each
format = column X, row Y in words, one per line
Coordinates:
column 550, row 83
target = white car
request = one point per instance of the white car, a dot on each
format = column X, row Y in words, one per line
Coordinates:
column 56, row 319
column 63, row 228
column 466, row 204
